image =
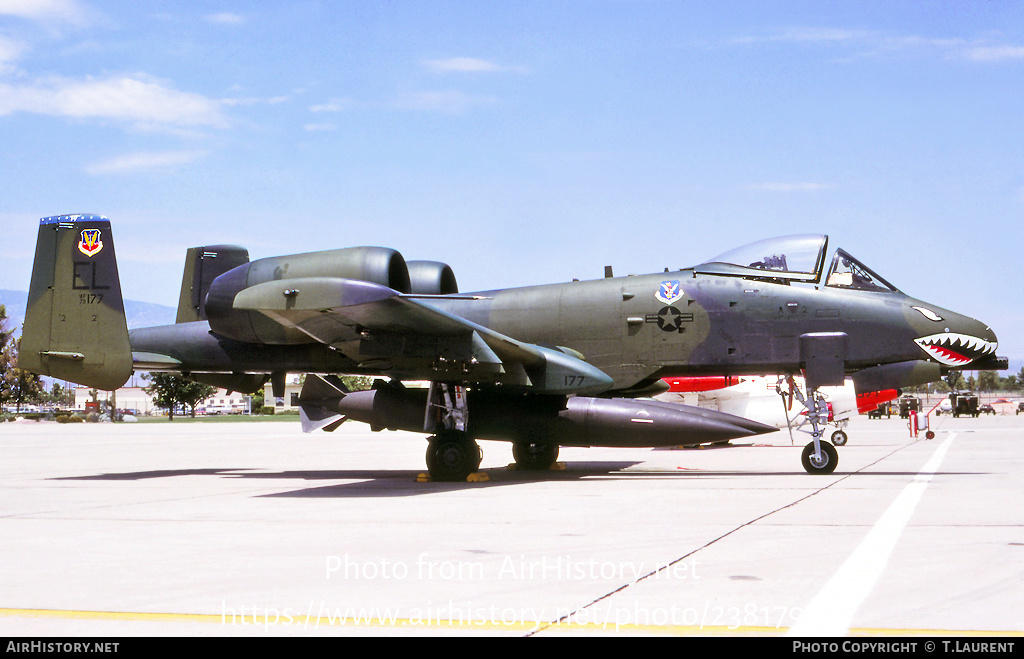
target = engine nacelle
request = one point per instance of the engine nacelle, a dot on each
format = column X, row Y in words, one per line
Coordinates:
column 379, row 265
column 432, row 278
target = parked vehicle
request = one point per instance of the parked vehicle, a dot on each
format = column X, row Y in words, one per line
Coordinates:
column 965, row 404
column 909, row 404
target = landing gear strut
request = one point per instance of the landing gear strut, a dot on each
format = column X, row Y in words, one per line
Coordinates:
column 819, row 457
column 452, row 455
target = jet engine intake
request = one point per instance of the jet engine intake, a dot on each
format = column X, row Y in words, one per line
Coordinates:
column 432, row 278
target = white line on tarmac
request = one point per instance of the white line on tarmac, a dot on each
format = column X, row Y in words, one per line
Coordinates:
column 831, row 611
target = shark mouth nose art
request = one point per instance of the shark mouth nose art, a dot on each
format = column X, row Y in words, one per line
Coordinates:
column 954, row 349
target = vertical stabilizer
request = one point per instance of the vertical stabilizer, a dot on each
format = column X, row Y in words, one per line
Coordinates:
column 75, row 327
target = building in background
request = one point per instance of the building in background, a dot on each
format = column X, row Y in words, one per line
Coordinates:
column 136, row 401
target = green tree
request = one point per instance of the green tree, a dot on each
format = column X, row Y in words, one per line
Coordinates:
column 169, row 390
column 7, row 358
column 16, row 385
column 61, row 396
column 357, row 382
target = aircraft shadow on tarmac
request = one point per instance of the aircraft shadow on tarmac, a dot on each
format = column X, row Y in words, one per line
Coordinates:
column 374, row 483
column 403, row 482
column 145, row 475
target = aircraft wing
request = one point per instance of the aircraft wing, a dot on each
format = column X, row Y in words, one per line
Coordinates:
column 380, row 327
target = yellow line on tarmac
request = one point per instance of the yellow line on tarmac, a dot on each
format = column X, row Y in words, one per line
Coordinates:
column 110, row 615
column 313, row 622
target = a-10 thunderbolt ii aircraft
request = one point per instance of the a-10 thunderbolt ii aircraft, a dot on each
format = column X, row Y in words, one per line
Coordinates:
column 542, row 366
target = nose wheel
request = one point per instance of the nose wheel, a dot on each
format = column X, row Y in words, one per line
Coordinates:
column 820, row 457
column 824, row 461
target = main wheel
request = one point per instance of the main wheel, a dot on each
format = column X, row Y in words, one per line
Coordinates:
column 826, row 464
column 534, row 456
column 452, row 456
column 839, row 438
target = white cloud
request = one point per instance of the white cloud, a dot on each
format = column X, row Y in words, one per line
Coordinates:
column 143, row 161
column 874, row 43
column 467, row 65
column 823, row 35
column 224, row 18
column 790, row 187
column 994, row 53
column 10, row 51
column 312, row 128
column 448, row 102
column 254, row 100
column 333, row 105
column 50, row 12
column 136, row 100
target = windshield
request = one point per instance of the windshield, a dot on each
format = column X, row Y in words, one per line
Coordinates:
column 848, row 272
column 798, row 257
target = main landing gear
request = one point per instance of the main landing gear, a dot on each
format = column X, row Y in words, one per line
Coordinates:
column 534, row 456
column 453, row 454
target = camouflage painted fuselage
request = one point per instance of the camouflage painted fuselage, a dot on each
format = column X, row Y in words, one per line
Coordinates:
column 358, row 311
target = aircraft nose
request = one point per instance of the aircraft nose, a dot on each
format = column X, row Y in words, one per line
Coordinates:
column 958, row 340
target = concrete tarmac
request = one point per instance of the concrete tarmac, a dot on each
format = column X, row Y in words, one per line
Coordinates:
column 249, row 529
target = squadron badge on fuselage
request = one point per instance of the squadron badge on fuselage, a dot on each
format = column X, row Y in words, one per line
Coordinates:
column 669, row 291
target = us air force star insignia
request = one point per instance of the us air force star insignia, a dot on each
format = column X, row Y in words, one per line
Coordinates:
column 669, row 291
column 670, row 319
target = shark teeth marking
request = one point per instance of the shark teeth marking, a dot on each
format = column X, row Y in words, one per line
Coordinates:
column 954, row 349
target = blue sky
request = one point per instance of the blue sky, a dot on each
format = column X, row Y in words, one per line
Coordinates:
column 525, row 142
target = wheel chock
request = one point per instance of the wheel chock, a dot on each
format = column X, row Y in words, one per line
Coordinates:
column 476, row 477
column 558, row 466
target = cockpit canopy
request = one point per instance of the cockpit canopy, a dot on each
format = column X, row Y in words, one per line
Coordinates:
column 799, row 258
